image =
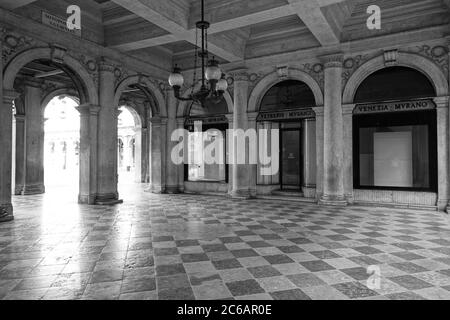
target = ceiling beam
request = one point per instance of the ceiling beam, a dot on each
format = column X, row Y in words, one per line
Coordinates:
column 166, row 15
column 14, row 4
column 308, row 10
column 311, row 14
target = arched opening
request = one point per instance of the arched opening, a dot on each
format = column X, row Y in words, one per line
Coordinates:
column 137, row 104
column 287, row 107
column 129, row 147
column 394, row 132
column 207, row 147
column 46, row 128
column 61, row 144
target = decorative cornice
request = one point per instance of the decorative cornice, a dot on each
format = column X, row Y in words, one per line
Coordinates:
column 332, row 60
column 9, row 96
column 347, row 109
column 441, row 102
column 180, row 122
column 319, row 111
column 251, row 116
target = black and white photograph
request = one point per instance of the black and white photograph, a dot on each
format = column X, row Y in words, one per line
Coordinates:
column 223, row 157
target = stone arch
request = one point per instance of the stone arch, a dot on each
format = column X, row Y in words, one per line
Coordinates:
column 71, row 92
column 419, row 63
column 183, row 106
column 159, row 109
column 89, row 92
column 133, row 109
column 273, row 78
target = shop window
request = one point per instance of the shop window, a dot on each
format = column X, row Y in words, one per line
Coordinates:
column 205, row 129
column 396, row 151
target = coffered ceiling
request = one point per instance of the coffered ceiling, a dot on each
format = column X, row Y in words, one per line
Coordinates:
column 247, row 29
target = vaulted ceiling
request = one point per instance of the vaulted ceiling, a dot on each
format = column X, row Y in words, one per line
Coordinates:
column 247, row 29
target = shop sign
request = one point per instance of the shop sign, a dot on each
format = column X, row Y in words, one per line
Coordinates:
column 412, row 105
column 207, row 120
column 286, row 115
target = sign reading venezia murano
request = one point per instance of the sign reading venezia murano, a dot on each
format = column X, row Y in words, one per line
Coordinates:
column 414, row 105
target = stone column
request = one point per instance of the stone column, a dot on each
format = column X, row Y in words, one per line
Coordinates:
column 241, row 183
column 144, row 155
column 347, row 115
column 138, row 154
column 19, row 154
column 88, row 153
column 155, row 156
column 319, row 151
column 171, row 167
column 8, row 96
column 107, row 137
column 34, row 138
column 333, row 189
column 442, row 112
column 180, row 168
column 252, row 168
column 309, row 158
column 229, row 154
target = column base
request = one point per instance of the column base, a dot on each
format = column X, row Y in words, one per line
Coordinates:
column 18, row 190
column 86, row 199
column 333, row 201
column 443, row 205
column 29, row 190
column 172, row 190
column 349, row 198
column 6, row 212
column 241, row 194
column 108, row 199
column 154, row 189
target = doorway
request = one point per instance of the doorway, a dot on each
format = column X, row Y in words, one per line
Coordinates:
column 291, row 159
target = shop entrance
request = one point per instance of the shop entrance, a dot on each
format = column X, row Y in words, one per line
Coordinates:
column 291, row 159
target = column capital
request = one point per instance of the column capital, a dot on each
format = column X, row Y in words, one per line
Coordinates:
column 441, row 102
column 251, row 116
column 106, row 65
column 88, row 109
column 180, row 122
column 9, row 96
column 239, row 75
column 19, row 117
column 31, row 82
column 334, row 60
column 229, row 117
column 319, row 111
column 348, row 108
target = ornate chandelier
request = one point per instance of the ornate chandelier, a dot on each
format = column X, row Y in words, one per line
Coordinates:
column 213, row 83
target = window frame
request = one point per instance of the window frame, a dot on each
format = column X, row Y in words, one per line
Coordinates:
column 391, row 119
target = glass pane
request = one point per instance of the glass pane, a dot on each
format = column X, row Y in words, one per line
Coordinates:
column 291, row 158
column 204, row 147
column 394, row 157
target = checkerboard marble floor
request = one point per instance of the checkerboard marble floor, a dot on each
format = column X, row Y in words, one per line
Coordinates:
column 206, row 247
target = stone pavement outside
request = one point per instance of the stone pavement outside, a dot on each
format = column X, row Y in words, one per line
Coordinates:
column 206, row 247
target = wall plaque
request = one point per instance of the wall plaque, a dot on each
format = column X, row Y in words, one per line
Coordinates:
column 58, row 23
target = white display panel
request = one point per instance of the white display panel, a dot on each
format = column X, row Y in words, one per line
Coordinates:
column 393, row 163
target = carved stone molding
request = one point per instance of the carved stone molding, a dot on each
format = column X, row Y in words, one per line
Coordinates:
column 438, row 54
column 335, row 60
column 57, row 53
column 239, row 75
column 13, row 43
column 390, row 57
